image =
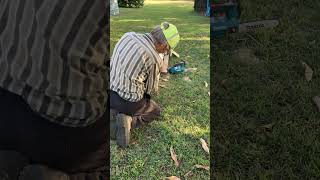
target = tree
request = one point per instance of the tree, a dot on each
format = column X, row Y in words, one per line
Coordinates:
column 200, row 6
column 114, row 7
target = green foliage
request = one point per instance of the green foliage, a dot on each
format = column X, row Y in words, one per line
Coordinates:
column 131, row 3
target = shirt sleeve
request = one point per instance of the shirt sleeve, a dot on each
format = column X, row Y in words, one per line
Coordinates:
column 153, row 79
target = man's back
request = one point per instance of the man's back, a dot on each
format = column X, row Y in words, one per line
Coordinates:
column 53, row 53
column 134, row 66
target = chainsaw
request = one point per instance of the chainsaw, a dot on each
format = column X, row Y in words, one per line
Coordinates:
column 225, row 18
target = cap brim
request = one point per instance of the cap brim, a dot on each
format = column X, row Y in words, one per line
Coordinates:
column 174, row 53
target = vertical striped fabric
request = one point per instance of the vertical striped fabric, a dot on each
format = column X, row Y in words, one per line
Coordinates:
column 54, row 54
column 135, row 66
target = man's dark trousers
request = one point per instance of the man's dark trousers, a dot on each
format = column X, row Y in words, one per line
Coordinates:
column 142, row 112
column 73, row 150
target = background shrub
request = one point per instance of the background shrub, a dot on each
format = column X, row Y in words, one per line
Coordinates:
column 131, row 3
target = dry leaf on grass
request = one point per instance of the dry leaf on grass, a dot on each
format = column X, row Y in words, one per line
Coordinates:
column 206, row 84
column 204, row 145
column 173, row 178
column 268, row 126
column 188, row 174
column 117, row 170
column 190, row 69
column 308, row 72
column 245, row 56
column 202, row 167
column 312, row 42
column 209, row 93
column 316, row 100
column 186, row 78
column 162, row 86
column 174, row 156
column 223, row 83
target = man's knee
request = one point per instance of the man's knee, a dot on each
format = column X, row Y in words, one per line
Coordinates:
column 11, row 163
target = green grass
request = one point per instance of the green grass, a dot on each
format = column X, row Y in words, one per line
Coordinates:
column 272, row 92
column 185, row 105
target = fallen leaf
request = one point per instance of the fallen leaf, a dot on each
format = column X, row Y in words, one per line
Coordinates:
column 202, row 167
column 268, row 126
column 312, row 42
column 204, row 145
column 245, row 56
column 162, row 86
column 316, row 100
column 223, row 83
column 174, row 156
column 134, row 142
column 165, row 80
column 117, row 170
column 188, row 174
column 173, row 178
column 186, row 78
column 209, row 93
column 206, row 84
column 190, row 69
column 308, row 72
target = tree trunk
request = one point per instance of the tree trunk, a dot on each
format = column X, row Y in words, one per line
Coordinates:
column 200, row 6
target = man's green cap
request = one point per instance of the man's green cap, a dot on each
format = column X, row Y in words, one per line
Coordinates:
column 171, row 34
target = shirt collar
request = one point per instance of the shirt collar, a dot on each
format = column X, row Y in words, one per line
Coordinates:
column 150, row 38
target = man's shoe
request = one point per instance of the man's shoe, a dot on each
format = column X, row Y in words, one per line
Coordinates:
column 113, row 126
column 123, row 130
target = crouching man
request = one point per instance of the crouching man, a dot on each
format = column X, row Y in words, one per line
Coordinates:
column 136, row 64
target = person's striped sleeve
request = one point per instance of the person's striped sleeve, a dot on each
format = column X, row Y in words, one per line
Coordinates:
column 153, row 79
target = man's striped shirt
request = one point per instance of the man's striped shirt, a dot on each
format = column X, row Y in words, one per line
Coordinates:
column 135, row 66
column 54, row 54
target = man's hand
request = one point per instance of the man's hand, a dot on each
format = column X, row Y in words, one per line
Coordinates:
column 164, row 76
column 164, row 68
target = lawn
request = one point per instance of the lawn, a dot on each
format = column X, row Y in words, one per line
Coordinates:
column 185, row 105
column 266, row 125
